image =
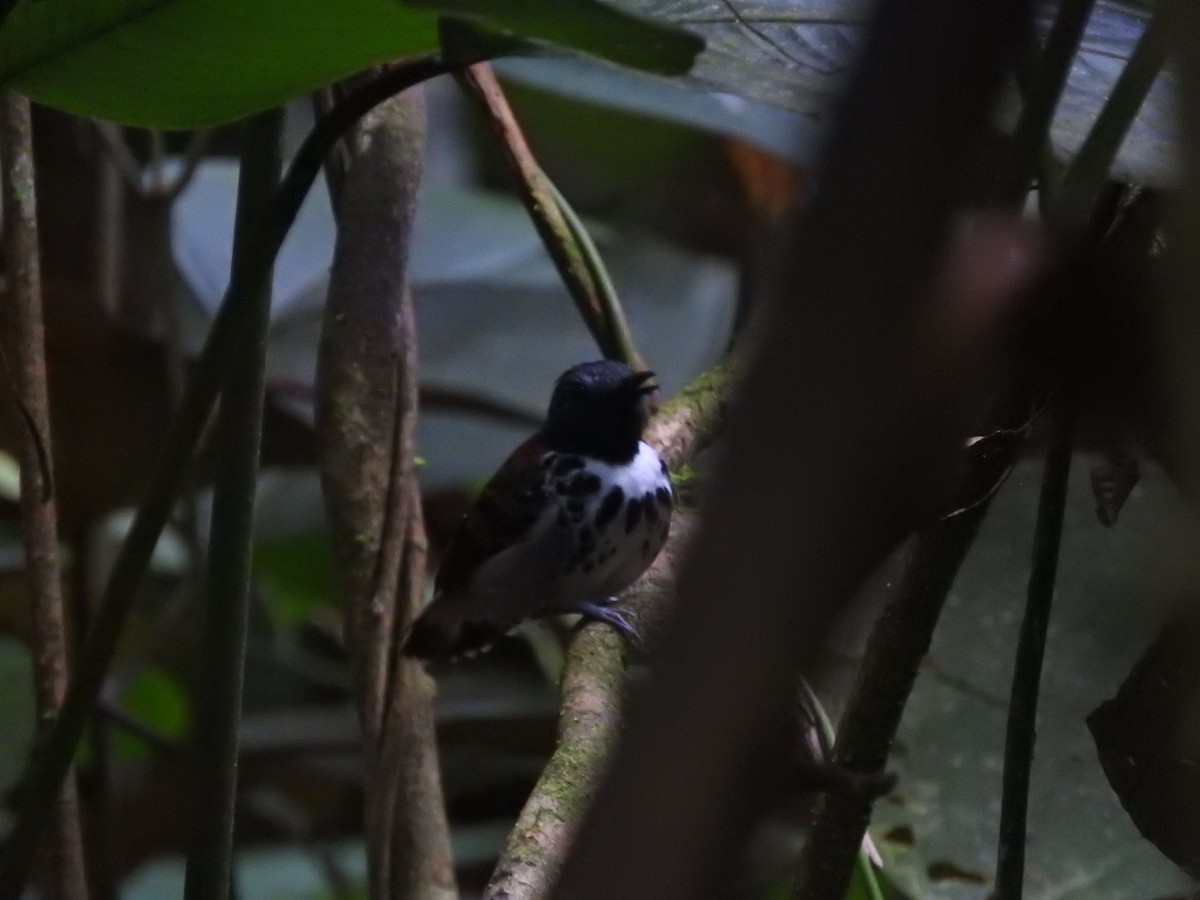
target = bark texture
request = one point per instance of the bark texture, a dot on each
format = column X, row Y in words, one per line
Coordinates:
column 366, row 412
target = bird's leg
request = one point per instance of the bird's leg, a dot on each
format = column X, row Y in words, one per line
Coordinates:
column 602, row 612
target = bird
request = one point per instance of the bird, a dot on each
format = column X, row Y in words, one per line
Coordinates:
column 570, row 520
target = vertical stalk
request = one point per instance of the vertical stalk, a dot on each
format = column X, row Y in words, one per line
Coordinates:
column 24, row 355
column 225, row 341
column 239, row 434
column 1027, row 671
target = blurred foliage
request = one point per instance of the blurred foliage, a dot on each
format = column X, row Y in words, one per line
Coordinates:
column 294, row 575
column 157, row 700
column 17, row 709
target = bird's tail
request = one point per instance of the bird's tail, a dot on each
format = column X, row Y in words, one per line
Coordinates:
column 441, row 633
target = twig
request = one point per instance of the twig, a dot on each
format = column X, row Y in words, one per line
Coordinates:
column 613, row 314
column 238, row 437
column 1027, row 671
column 193, row 155
column 593, row 679
column 225, row 340
column 553, row 225
column 24, row 339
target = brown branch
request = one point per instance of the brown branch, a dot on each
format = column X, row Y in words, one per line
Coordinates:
column 848, row 418
column 595, row 671
column 366, row 413
column 603, row 318
column 24, row 344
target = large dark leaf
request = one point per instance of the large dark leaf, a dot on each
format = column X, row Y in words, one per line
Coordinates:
column 1148, row 738
column 796, row 53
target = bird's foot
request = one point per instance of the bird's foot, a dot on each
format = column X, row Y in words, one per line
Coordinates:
column 603, row 612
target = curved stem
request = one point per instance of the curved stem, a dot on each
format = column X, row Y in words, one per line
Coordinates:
column 225, row 339
column 566, row 240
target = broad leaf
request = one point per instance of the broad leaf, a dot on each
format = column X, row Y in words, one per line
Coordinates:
column 595, row 28
column 796, row 54
column 189, row 63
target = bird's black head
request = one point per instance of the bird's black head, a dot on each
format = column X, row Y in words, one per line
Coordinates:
column 598, row 410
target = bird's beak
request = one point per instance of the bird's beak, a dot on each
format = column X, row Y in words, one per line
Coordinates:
column 643, row 382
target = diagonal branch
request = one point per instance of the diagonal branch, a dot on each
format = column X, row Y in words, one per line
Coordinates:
column 593, row 679
column 561, row 231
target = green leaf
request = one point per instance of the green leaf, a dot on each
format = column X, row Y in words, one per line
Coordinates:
column 156, row 699
column 192, row 63
column 586, row 25
column 16, row 710
column 295, row 576
column 189, row 63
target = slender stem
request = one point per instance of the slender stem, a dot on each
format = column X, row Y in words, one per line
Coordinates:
column 1033, row 128
column 827, row 738
column 1088, row 172
column 898, row 643
column 239, row 439
column 1027, row 672
column 222, row 347
column 613, row 314
column 578, row 264
column 194, row 155
column 113, row 140
column 25, row 351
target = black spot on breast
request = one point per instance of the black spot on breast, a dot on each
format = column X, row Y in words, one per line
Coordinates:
column 664, row 496
column 646, row 547
column 564, row 465
column 633, row 515
column 575, row 508
column 587, row 540
column 651, row 509
column 583, row 485
column 609, row 507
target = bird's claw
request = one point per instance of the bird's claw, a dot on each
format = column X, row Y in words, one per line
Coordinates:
column 612, row 617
